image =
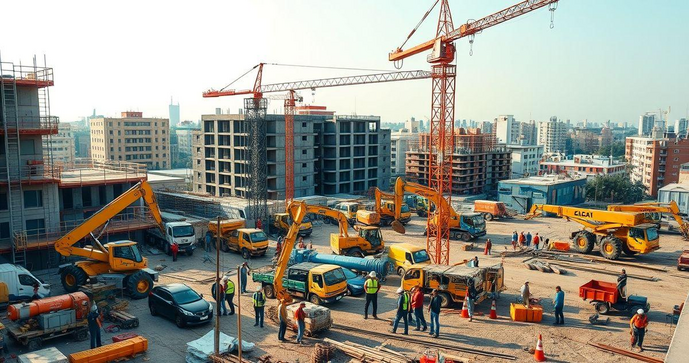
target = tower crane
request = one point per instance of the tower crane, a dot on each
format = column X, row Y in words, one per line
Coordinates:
column 441, row 145
column 260, row 89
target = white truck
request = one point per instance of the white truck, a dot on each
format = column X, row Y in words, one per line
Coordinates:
column 177, row 230
column 20, row 283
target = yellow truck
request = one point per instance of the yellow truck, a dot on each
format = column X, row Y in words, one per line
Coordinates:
column 317, row 283
column 368, row 217
column 385, row 207
column 234, row 237
column 404, row 255
column 349, row 209
column 452, row 281
column 369, row 241
column 282, row 221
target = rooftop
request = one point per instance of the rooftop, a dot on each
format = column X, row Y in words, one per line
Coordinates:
column 542, row 180
column 676, row 187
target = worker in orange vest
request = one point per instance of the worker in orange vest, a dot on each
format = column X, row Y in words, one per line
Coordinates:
column 638, row 326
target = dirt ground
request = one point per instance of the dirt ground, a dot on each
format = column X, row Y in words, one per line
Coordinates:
column 566, row 343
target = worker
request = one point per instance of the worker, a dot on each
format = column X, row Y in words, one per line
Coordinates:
column 301, row 244
column 489, row 246
column 282, row 317
column 622, row 284
column 371, row 287
column 474, row 261
column 472, row 294
column 174, row 249
column 300, row 318
column 559, row 306
column 528, row 239
column 536, row 241
column 526, row 293
column 209, row 239
column 259, row 300
column 410, row 311
column 219, row 296
column 35, row 295
column 259, row 223
column 94, row 321
column 243, row 272
column 229, row 293
column 434, row 309
column 402, row 311
column 638, row 326
column 417, row 307
column 514, row 240
column 522, row 239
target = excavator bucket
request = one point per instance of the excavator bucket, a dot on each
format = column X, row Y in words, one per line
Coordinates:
column 398, row 227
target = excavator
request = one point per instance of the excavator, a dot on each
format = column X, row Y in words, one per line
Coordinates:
column 463, row 226
column 117, row 262
column 654, row 211
column 385, row 206
column 613, row 232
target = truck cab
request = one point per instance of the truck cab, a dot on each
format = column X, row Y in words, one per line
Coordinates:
column 182, row 233
column 249, row 242
column 317, row 283
column 643, row 238
column 469, row 226
column 404, row 255
column 349, row 209
column 388, row 212
column 282, row 221
column 369, row 241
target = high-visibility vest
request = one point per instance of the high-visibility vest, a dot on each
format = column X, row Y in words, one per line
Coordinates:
column 259, row 299
column 371, row 286
column 640, row 321
column 405, row 301
column 230, row 287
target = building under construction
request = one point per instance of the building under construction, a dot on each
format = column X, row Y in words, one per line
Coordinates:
column 477, row 163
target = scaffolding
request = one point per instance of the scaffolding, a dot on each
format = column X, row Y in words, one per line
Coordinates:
column 258, row 162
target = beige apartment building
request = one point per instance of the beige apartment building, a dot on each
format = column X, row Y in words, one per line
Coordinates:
column 131, row 138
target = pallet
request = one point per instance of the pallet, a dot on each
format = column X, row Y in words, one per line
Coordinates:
column 123, row 319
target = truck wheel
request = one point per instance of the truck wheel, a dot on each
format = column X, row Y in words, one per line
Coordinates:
column 445, row 300
column 355, row 252
column 314, row 299
column 81, row 335
column 139, row 284
column 34, row 344
column 611, row 247
column 269, row 290
column 245, row 254
column 466, row 237
column 488, row 216
column 584, row 241
column 602, row 308
column 72, row 277
column 224, row 247
column 400, row 271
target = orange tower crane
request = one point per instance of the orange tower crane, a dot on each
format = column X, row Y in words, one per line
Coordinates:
column 290, row 102
column 441, row 145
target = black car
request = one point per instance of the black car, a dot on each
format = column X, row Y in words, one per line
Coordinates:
column 180, row 303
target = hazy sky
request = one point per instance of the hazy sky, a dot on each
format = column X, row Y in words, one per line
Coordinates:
column 605, row 59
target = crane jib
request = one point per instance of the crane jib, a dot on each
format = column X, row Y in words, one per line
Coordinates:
column 583, row 214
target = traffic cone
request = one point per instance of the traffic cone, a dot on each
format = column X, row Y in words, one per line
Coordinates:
column 538, row 355
column 465, row 311
column 493, row 311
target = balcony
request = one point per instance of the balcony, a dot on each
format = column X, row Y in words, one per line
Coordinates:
column 31, row 125
column 27, row 75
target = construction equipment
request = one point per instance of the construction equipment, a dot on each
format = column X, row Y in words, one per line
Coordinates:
column 416, row 204
column 653, row 213
column 281, row 223
column 234, row 237
column 314, row 282
column 462, row 226
column 613, row 232
column 491, row 210
column 385, row 206
column 349, row 210
column 380, row 265
column 368, row 217
column 117, row 262
column 441, row 146
column 77, row 301
column 605, row 296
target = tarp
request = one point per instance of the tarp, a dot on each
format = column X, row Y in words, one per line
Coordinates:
column 198, row 350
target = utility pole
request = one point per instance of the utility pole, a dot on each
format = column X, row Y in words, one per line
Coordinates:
column 216, row 341
column 239, row 315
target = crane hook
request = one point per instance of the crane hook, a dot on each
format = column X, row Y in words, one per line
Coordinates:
column 471, row 44
column 398, row 63
column 552, row 7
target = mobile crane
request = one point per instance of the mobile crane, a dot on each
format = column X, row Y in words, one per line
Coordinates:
column 117, row 262
column 463, row 226
column 613, row 232
column 653, row 211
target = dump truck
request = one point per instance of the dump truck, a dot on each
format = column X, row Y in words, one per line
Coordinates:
column 119, row 262
column 605, row 296
column 653, row 213
column 175, row 231
column 463, row 226
column 250, row 242
column 281, row 222
column 452, row 281
column 381, row 266
column 612, row 232
column 491, row 210
column 316, row 283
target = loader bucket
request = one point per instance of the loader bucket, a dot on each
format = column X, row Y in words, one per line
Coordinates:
column 398, row 227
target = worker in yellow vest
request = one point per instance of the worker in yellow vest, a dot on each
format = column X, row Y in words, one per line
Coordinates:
column 402, row 311
column 371, row 287
column 229, row 294
column 259, row 300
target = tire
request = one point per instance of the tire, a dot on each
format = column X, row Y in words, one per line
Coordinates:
column 153, row 310
column 224, row 247
column 180, row 322
column 445, row 300
column 72, row 277
column 314, row 299
column 190, row 252
column 400, row 271
column 245, row 254
column 465, row 237
column 34, row 344
column 355, row 252
column 602, row 308
column 611, row 247
column 139, row 285
column 584, row 241
column 488, row 216
column 81, row 335
column 627, row 251
column 269, row 290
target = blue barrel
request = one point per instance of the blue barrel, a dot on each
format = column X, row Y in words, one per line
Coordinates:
column 380, row 266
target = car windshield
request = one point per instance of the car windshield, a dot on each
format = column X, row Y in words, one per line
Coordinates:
column 652, row 234
column 405, row 208
column 349, row 274
column 183, row 231
column 334, row 277
column 185, row 296
column 258, row 236
column 420, row 256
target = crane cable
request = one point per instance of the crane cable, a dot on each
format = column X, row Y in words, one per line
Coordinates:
column 399, row 63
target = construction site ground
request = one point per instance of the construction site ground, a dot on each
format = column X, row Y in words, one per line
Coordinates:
column 567, row 343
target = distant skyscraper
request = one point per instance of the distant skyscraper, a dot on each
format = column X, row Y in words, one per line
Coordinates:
column 681, row 126
column 646, row 123
column 552, row 135
column 174, row 113
column 507, row 130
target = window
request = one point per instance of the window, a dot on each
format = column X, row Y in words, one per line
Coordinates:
column 86, row 195
column 35, row 226
column 303, row 152
column 303, row 138
column 303, row 124
column 26, row 280
column 3, row 201
column 33, row 198
column 4, row 230
column 318, row 279
column 303, row 178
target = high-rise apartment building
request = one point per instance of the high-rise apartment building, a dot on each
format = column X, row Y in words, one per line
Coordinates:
column 507, row 130
column 656, row 162
column 174, row 113
column 646, row 123
column 525, row 160
column 528, row 133
column 552, row 134
column 681, row 127
column 60, row 148
column 131, row 138
column 400, row 143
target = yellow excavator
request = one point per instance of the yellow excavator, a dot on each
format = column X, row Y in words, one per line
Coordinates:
column 463, row 226
column 385, row 206
column 613, row 232
column 117, row 262
column 654, row 211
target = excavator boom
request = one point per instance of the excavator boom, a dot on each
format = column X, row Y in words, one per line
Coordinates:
column 433, row 196
column 667, row 208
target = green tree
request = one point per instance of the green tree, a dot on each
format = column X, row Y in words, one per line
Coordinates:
column 618, row 149
column 615, row 188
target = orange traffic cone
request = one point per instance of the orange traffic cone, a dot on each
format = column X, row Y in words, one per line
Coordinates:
column 538, row 355
column 493, row 311
column 465, row 311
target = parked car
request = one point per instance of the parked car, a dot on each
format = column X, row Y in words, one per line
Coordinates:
column 180, row 303
column 355, row 282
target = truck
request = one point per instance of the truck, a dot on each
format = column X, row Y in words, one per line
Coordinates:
column 604, row 296
column 403, row 255
column 281, row 222
column 316, row 283
column 463, row 226
column 417, row 204
column 250, row 242
column 491, row 210
column 452, row 281
column 613, row 232
column 653, row 213
column 119, row 262
column 381, row 266
column 175, row 231
column 20, row 283
column 349, row 209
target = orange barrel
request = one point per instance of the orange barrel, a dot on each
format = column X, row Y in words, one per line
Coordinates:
column 76, row 300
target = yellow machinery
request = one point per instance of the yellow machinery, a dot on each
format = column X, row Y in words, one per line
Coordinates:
column 235, row 237
column 463, row 226
column 281, row 223
column 613, row 232
column 385, row 207
column 118, row 262
column 653, row 212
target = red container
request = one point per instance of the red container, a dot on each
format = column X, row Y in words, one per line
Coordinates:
column 77, row 301
column 123, row 336
column 599, row 291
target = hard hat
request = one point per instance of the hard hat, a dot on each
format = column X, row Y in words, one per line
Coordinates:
column 258, row 289
column 640, row 311
column 400, row 290
column 526, row 282
column 372, row 274
column 302, row 304
column 94, row 307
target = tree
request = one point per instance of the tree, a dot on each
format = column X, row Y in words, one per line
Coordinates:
column 618, row 149
column 615, row 188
